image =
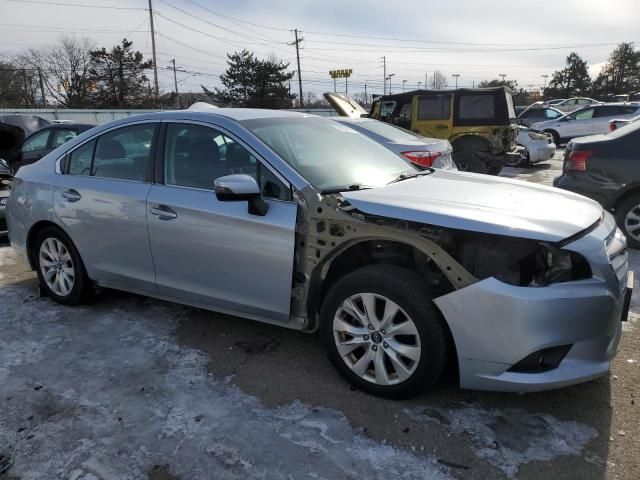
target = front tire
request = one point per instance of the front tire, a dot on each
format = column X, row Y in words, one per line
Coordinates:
column 382, row 332
column 556, row 137
column 469, row 162
column 60, row 269
column 628, row 219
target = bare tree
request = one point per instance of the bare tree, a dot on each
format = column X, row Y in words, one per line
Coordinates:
column 65, row 68
column 18, row 83
column 439, row 80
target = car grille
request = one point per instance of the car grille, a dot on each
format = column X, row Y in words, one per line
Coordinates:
column 616, row 245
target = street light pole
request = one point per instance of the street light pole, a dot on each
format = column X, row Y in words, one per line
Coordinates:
column 419, row 83
column 503, row 75
column 389, row 77
column 456, row 75
column 403, row 83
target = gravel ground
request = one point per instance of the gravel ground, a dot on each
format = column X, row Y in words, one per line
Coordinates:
column 136, row 388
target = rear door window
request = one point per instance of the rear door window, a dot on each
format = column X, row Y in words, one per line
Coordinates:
column 434, row 107
column 80, row 159
column 61, row 136
column 475, row 107
column 124, row 153
column 585, row 114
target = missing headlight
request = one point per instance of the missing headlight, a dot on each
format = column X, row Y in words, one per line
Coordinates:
column 553, row 265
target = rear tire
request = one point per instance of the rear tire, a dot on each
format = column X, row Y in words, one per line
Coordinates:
column 628, row 219
column 60, row 269
column 398, row 358
column 555, row 135
column 469, row 162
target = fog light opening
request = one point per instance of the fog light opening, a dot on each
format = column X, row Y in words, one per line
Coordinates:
column 542, row 360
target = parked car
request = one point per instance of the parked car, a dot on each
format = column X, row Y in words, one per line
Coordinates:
column 616, row 123
column 605, row 168
column 421, row 151
column 48, row 138
column 302, row 223
column 574, row 103
column 11, row 138
column 586, row 121
column 538, row 147
column 479, row 123
column 554, row 101
column 538, row 113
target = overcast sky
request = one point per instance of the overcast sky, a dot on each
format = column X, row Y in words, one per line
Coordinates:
column 523, row 39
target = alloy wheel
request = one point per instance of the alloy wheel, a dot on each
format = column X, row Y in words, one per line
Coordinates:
column 376, row 339
column 632, row 222
column 56, row 266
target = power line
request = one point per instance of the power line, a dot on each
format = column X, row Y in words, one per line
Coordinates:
column 83, row 5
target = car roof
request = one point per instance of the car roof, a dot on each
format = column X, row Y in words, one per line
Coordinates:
column 238, row 114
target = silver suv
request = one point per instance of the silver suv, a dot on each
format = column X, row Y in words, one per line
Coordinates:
column 298, row 221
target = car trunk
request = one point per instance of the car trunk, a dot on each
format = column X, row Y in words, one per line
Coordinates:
column 345, row 105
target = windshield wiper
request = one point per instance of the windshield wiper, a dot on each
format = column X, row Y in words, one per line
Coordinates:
column 409, row 174
column 352, row 188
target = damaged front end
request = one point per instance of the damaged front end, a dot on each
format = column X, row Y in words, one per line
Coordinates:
column 524, row 314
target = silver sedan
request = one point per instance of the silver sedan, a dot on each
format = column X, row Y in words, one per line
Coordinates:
column 294, row 220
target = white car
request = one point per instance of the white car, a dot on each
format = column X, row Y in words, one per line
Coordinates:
column 575, row 103
column 538, row 146
column 586, row 121
column 616, row 123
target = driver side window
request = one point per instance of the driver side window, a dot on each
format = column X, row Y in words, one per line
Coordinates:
column 195, row 155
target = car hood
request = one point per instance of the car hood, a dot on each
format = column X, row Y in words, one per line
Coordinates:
column 11, row 140
column 481, row 203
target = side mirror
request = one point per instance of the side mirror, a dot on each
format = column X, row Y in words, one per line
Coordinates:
column 240, row 187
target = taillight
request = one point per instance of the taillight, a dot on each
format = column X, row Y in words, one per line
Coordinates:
column 578, row 160
column 422, row 158
column 612, row 126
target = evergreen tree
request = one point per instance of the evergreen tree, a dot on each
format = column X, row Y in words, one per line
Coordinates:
column 250, row 82
column 571, row 81
column 118, row 79
column 621, row 74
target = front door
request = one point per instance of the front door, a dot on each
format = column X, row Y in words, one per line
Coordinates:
column 101, row 199
column 432, row 115
column 213, row 253
column 578, row 124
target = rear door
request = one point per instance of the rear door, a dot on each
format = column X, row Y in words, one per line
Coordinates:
column 214, row 253
column 432, row 114
column 101, row 202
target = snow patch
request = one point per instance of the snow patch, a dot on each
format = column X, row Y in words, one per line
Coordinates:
column 508, row 438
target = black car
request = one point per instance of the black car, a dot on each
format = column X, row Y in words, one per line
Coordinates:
column 606, row 168
column 38, row 144
column 538, row 113
column 11, row 138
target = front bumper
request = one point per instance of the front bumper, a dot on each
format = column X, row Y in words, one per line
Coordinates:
column 495, row 325
column 541, row 151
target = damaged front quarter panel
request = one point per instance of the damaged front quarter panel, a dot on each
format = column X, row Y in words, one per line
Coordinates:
column 328, row 225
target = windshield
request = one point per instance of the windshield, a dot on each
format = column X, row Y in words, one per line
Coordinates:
column 327, row 154
column 390, row 132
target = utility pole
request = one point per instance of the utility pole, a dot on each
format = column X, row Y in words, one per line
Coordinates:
column 44, row 100
column 297, row 44
column 403, row 82
column 366, row 100
column 390, row 75
column 153, row 53
column 456, row 75
column 175, row 80
column 426, row 80
column 384, row 71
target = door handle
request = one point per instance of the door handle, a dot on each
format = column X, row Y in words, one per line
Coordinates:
column 163, row 212
column 71, row 195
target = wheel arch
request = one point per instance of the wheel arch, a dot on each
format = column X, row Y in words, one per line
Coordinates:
column 35, row 229
column 470, row 142
column 357, row 254
column 622, row 195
